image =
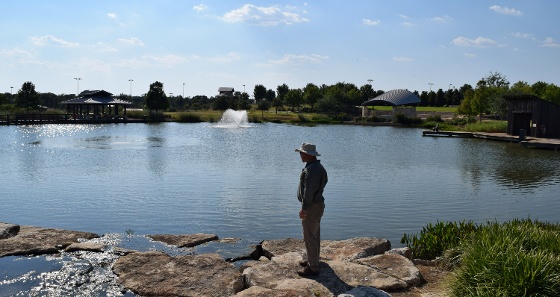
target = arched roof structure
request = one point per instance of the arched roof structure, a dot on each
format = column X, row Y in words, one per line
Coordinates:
column 395, row 98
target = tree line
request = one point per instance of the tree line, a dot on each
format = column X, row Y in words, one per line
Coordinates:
column 484, row 98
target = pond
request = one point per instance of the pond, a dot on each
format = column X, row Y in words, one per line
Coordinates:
column 241, row 182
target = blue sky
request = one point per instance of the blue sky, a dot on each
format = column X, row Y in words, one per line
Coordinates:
column 196, row 47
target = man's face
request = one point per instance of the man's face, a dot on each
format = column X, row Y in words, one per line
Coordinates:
column 305, row 157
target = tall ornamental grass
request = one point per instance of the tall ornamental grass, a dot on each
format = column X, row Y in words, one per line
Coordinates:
column 517, row 258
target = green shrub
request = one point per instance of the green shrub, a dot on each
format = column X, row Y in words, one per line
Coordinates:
column 302, row 118
column 434, row 118
column 186, row 117
column 402, row 119
column 518, row 258
column 488, row 126
column 321, row 119
column 435, row 239
column 135, row 114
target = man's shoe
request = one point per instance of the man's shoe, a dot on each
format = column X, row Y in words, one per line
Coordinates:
column 307, row 272
column 303, row 263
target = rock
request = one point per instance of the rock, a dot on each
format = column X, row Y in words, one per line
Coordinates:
column 282, row 246
column 264, row 292
column 404, row 251
column 188, row 240
column 158, row 274
column 8, row 230
column 355, row 274
column 31, row 240
column 344, row 250
column 396, row 266
column 361, row 291
column 85, row 246
column 354, row 248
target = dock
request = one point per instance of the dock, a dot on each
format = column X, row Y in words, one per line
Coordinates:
column 528, row 142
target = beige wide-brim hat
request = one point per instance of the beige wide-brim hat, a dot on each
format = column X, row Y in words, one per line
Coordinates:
column 308, row 148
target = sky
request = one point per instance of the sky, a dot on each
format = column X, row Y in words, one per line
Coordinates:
column 195, row 47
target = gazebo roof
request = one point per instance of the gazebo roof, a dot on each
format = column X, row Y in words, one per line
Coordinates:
column 394, row 98
column 97, row 97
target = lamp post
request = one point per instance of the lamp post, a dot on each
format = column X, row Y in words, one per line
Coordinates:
column 11, row 90
column 130, row 80
column 78, row 85
column 243, row 88
column 183, row 90
column 431, row 84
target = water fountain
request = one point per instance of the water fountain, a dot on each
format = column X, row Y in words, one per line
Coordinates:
column 234, row 119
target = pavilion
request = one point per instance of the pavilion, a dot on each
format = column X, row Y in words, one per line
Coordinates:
column 396, row 98
column 96, row 104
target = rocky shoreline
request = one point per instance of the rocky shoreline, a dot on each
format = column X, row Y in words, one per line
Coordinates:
column 354, row 267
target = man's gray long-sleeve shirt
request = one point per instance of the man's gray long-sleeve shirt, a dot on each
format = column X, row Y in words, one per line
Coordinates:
column 311, row 184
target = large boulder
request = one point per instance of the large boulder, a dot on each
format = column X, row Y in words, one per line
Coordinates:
column 395, row 265
column 158, row 274
column 31, row 240
column 184, row 240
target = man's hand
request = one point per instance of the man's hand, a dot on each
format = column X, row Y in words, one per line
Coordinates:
column 302, row 214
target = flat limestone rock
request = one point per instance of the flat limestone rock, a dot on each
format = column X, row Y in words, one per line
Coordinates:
column 85, row 246
column 344, row 250
column 31, row 240
column 158, row 274
column 395, row 265
column 184, row 240
column 354, row 248
column 355, row 275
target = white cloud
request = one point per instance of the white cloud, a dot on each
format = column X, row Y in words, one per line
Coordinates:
column 168, row 60
column 52, row 40
column 17, row 54
column 402, row 59
column 230, row 57
column 441, row 19
column 371, row 22
column 506, row 10
column 200, row 7
column 266, row 16
column 478, row 42
column 549, row 42
column 112, row 15
column 131, row 41
column 297, row 59
column 470, row 55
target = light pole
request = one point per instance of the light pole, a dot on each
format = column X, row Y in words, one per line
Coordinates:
column 78, row 85
column 431, row 84
column 243, row 88
column 130, row 80
column 183, row 90
column 11, row 90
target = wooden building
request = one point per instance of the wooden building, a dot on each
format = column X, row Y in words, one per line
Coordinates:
column 532, row 116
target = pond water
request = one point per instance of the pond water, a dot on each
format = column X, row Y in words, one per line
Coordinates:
column 241, row 182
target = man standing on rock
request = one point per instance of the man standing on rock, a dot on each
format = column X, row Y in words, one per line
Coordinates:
column 310, row 193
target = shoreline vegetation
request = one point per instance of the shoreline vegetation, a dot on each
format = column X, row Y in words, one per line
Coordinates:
column 446, row 118
column 514, row 258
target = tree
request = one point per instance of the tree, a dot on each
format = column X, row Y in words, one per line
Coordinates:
column 294, row 98
column 311, row 94
column 367, row 92
column 262, row 106
column 156, row 98
column 259, row 93
column 281, row 92
column 27, row 97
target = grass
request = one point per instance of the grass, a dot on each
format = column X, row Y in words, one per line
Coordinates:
column 487, row 126
column 516, row 258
